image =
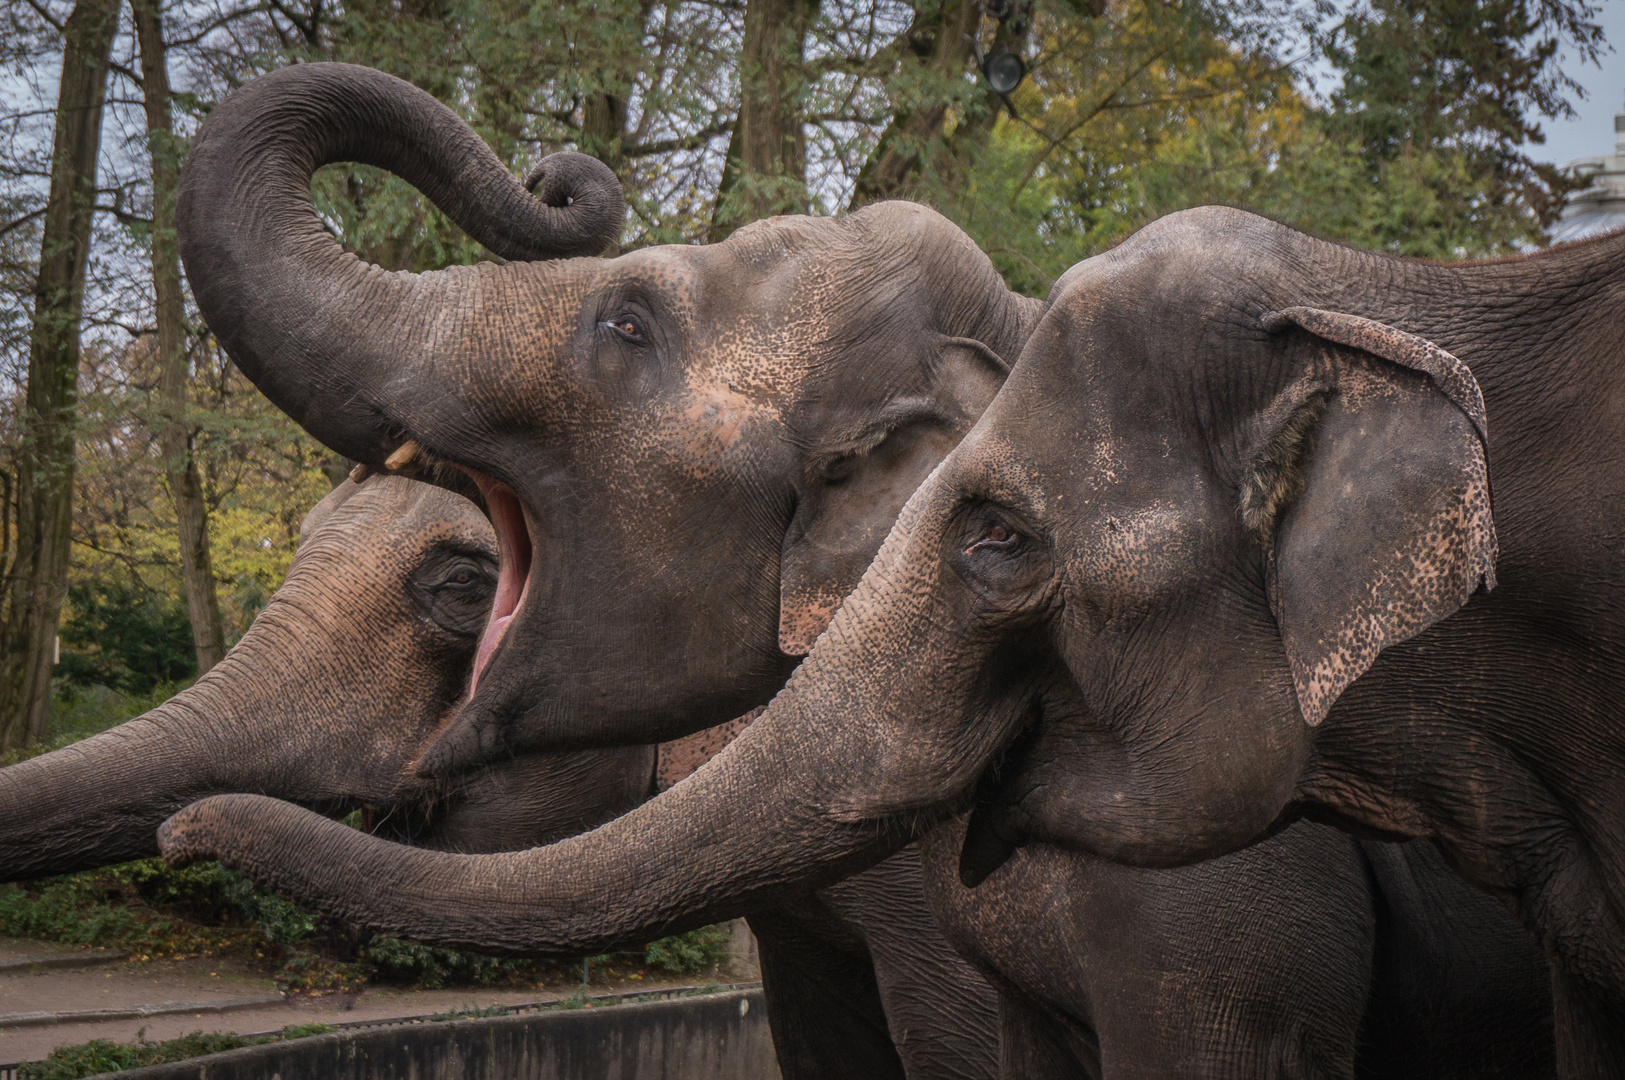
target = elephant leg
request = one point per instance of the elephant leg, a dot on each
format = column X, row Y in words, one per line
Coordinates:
column 942, row 1013
column 1460, row 990
column 1590, row 1034
column 823, row 1003
column 1037, row 1046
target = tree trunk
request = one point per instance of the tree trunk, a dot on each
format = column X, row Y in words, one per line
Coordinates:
column 939, row 41
column 175, row 436
column 38, row 580
column 765, row 172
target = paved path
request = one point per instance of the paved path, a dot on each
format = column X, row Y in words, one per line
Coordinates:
column 248, row 1000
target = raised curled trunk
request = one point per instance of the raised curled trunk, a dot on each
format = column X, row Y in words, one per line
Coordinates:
column 334, row 342
column 843, row 768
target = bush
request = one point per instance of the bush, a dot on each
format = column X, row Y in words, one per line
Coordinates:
column 103, row 1055
column 125, row 638
column 692, row 953
column 152, row 909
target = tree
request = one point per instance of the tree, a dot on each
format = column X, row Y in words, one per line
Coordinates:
column 37, row 582
column 1466, row 83
column 176, row 433
column 766, row 167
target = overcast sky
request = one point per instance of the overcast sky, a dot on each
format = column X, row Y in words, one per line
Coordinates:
column 1591, row 134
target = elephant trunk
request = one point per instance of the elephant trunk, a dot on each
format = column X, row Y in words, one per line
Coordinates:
column 843, row 768
column 100, row 801
column 315, row 328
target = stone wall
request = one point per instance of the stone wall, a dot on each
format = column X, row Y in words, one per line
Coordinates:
column 720, row 1036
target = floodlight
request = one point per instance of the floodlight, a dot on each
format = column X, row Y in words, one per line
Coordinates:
column 1004, row 72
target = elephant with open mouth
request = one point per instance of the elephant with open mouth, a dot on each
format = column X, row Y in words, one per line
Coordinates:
column 334, row 691
column 689, row 455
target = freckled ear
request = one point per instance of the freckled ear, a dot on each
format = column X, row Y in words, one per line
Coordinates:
column 835, row 534
column 1392, row 530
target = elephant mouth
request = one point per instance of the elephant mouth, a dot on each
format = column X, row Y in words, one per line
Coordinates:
column 513, row 575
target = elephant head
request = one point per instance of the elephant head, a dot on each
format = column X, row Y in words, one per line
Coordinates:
column 325, row 701
column 676, row 446
column 1219, row 482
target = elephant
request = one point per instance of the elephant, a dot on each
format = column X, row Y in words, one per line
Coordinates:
column 689, row 455
column 346, row 674
column 1245, row 571
column 326, row 701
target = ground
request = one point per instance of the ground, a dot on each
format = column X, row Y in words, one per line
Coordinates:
column 227, row 996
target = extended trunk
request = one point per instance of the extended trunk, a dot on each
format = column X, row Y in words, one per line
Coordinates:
column 185, row 485
column 38, row 581
column 765, row 170
column 345, row 348
column 848, row 763
column 99, row 801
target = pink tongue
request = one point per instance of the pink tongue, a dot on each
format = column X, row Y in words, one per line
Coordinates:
column 488, row 643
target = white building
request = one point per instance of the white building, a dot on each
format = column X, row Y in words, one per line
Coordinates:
column 1601, row 206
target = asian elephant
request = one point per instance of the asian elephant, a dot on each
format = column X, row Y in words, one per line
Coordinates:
column 343, row 678
column 689, row 455
column 1223, row 552
column 326, row 701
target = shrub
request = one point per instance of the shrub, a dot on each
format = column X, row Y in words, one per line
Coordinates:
column 103, row 1055
column 126, row 638
column 692, row 953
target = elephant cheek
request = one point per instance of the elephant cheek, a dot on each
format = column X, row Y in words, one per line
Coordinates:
column 803, row 615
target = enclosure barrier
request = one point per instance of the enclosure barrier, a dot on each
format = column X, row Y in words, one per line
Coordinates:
column 717, row 1036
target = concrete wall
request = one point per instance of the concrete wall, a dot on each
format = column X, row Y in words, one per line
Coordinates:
column 710, row 1037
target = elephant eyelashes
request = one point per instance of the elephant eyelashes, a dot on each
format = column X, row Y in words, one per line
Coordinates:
column 996, row 535
column 629, row 327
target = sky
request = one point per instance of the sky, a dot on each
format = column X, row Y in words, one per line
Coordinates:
column 1591, row 133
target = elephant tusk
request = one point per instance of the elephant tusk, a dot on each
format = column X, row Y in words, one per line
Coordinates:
column 402, row 457
column 360, row 473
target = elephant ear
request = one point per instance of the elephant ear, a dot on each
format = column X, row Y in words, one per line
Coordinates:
column 1383, row 526
column 856, row 489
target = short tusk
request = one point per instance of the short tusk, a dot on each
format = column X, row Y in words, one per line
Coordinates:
column 360, row 473
column 402, row 457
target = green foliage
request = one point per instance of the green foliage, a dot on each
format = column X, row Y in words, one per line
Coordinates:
column 153, row 910
column 304, row 1031
column 394, row 960
column 125, row 637
column 691, row 953
column 145, row 907
column 103, row 1055
column 80, row 712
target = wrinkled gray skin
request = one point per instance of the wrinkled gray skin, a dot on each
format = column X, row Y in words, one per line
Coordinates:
column 325, row 701
column 665, row 460
column 1210, row 561
column 345, row 676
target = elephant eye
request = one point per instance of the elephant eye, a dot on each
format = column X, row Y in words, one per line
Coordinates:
column 629, row 327
column 996, row 535
column 464, row 576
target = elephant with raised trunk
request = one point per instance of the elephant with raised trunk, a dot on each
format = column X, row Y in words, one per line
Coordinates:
column 690, row 455
column 1219, row 555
